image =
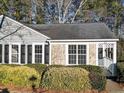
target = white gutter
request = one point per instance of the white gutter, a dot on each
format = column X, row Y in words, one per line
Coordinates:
column 85, row 40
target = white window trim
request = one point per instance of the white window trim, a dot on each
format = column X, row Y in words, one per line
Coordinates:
column 3, row 53
column 87, row 53
column 33, row 52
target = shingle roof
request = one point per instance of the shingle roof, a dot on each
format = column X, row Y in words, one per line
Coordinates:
column 75, row 31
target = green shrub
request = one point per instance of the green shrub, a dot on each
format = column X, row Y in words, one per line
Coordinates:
column 91, row 68
column 96, row 75
column 120, row 70
column 97, row 81
column 18, row 76
column 66, row 78
column 38, row 67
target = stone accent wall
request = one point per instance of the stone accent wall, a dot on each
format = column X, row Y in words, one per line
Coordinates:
column 92, row 54
column 58, row 54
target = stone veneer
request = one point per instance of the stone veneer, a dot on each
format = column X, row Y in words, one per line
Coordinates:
column 92, row 54
column 58, row 55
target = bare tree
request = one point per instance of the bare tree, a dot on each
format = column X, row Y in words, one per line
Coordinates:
column 62, row 11
column 33, row 11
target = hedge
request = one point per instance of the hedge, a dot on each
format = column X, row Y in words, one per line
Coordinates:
column 96, row 75
column 39, row 67
column 18, row 76
column 66, row 78
column 91, row 68
column 72, row 77
column 120, row 71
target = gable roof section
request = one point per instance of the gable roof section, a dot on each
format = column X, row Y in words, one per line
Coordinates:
column 75, row 31
column 18, row 24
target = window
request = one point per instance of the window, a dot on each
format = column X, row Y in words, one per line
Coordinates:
column 46, row 54
column 0, row 53
column 15, row 53
column 38, row 53
column 77, row 54
column 23, row 54
column 100, row 53
column 6, row 53
column 109, row 53
column 29, row 54
column 72, row 54
column 81, row 54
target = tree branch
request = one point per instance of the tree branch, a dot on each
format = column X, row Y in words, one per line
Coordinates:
column 82, row 3
column 11, row 33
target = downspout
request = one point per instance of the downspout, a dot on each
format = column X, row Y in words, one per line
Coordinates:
column 1, row 23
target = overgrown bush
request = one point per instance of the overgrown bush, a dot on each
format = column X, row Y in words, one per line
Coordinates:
column 120, row 70
column 66, row 78
column 38, row 67
column 18, row 76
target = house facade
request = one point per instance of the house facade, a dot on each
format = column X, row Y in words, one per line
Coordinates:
column 60, row 44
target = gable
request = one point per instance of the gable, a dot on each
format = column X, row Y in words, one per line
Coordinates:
column 13, row 31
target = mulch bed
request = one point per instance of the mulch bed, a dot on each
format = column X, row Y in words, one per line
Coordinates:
column 13, row 89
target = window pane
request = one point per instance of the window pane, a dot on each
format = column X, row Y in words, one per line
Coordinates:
column 15, row 58
column 72, row 49
column 29, row 54
column 6, row 57
column 38, row 53
column 111, row 53
column 15, row 49
column 100, row 53
column 81, row 54
column 81, row 59
column 15, row 54
column 81, row 49
column 0, row 53
column 72, row 59
column 22, row 54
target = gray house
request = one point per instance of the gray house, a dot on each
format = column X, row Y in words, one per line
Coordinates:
column 61, row 44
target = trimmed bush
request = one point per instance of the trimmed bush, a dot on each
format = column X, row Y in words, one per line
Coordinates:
column 39, row 67
column 91, row 68
column 18, row 76
column 120, row 71
column 96, row 75
column 97, row 81
column 66, row 78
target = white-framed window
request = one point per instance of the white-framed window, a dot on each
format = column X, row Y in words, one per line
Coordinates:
column 15, row 53
column 77, row 54
column 72, row 54
column 22, row 54
column 29, row 54
column 38, row 53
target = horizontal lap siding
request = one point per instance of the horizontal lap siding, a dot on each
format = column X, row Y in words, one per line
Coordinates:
column 92, row 54
column 58, row 54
